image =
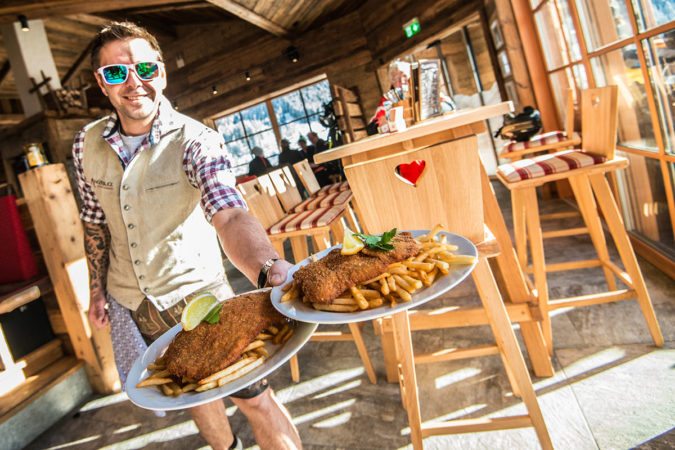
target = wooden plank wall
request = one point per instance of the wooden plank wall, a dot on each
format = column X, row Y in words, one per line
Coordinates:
column 337, row 49
column 349, row 50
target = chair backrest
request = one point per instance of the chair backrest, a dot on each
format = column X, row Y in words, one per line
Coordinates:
column 349, row 113
column 285, row 187
column 569, row 113
column 306, row 176
column 262, row 200
column 599, row 116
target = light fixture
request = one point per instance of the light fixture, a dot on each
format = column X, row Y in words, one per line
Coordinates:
column 175, row 105
column 292, row 53
column 247, row 75
column 24, row 22
column 214, row 91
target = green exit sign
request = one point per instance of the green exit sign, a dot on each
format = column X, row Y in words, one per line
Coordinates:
column 412, row 28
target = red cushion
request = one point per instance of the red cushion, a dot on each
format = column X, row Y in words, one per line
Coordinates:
column 543, row 165
column 307, row 220
column 16, row 257
column 537, row 141
column 335, row 187
column 324, row 201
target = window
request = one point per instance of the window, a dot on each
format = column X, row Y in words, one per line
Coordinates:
column 289, row 116
column 642, row 66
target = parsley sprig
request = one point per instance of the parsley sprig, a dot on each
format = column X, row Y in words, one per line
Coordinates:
column 376, row 242
column 213, row 316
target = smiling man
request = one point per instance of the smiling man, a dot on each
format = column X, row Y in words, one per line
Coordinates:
column 157, row 196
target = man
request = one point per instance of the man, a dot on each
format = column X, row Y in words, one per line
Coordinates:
column 259, row 165
column 318, row 143
column 288, row 156
column 157, row 195
column 306, row 150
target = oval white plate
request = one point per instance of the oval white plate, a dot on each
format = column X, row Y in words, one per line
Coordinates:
column 152, row 398
column 300, row 311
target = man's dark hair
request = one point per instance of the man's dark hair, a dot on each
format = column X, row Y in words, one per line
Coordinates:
column 116, row 31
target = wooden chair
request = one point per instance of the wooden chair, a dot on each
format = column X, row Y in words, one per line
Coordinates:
column 546, row 142
column 333, row 194
column 261, row 197
column 585, row 169
column 349, row 113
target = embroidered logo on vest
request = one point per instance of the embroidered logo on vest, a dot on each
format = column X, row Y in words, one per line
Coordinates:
column 101, row 183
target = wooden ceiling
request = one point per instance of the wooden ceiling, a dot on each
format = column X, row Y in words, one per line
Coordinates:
column 72, row 24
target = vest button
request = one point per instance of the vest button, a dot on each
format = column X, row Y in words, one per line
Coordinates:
column 131, row 226
column 146, row 290
column 127, row 207
column 125, row 187
column 137, row 262
column 134, row 245
column 141, row 277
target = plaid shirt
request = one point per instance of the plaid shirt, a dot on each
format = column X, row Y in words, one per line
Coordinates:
column 205, row 164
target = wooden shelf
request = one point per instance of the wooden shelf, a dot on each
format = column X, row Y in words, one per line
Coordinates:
column 15, row 295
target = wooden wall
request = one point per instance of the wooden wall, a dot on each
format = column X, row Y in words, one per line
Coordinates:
column 221, row 57
column 349, row 50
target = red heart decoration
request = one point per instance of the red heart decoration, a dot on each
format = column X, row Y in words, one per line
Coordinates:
column 411, row 172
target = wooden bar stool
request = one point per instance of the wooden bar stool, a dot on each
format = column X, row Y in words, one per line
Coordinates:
column 449, row 191
column 546, row 142
column 261, row 197
column 585, row 169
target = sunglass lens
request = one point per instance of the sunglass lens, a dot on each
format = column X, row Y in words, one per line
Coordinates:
column 115, row 74
column 147, row 70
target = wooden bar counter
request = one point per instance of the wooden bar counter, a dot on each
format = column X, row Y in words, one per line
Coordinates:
column 453, row 190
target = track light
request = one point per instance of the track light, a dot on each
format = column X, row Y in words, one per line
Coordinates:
column 24, row 22
column 293, row 54
column 214, row 91
column 247, row 75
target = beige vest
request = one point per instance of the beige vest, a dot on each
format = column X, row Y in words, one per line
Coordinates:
column 162, row 246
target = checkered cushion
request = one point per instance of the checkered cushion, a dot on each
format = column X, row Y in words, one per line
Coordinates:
column 543, row 165
column 537, row 141
column 335, row 187
column 306, row 220
column 324, row 201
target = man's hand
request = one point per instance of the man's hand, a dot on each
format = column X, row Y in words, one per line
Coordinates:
column 278, row 272
column 98, row 314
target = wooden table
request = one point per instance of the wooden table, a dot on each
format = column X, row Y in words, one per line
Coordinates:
column 454, row 190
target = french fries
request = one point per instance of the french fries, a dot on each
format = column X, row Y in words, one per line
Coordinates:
column 400, row 281
column 253, row 356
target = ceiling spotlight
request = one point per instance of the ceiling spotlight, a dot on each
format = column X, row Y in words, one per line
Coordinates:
column 214, row 91
column 247, row 75
column 24, row 22
column 293, row 54
column 175, row 105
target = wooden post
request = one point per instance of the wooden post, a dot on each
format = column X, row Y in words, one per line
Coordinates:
column 57, row 224
column 535, row 63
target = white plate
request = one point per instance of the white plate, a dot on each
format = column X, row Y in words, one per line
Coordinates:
column 300, row 311
column 152, row 398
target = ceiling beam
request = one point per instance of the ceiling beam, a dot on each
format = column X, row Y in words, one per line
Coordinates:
column 39, row 9
column 4, row 70
column 249, row 16
column 77, row 65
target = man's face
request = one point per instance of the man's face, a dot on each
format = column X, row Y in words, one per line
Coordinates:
column 135, row 99
column 313, row 138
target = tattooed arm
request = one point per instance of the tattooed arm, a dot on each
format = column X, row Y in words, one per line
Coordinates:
column 97, row 248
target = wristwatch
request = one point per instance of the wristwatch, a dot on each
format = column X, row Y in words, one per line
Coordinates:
column 262, row 277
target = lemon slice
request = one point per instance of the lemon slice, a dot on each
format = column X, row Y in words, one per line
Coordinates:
column 198, row 308
column 351, row 245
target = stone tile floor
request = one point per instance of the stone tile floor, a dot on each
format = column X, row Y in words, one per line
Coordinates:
column 612, row 388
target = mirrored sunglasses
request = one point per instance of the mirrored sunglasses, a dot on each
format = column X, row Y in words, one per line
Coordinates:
column 118, row 73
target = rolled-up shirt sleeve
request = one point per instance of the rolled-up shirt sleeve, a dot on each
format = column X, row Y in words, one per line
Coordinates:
column 208, row 168
column 91, row 208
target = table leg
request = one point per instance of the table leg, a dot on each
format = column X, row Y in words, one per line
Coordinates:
column 508, row 345
column 514, row 280
column 401, row 327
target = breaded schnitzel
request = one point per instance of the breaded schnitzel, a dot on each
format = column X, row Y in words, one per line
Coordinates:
column 324, row 280
column 209, row 348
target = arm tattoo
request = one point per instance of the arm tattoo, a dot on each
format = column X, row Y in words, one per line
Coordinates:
column 97, row 249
